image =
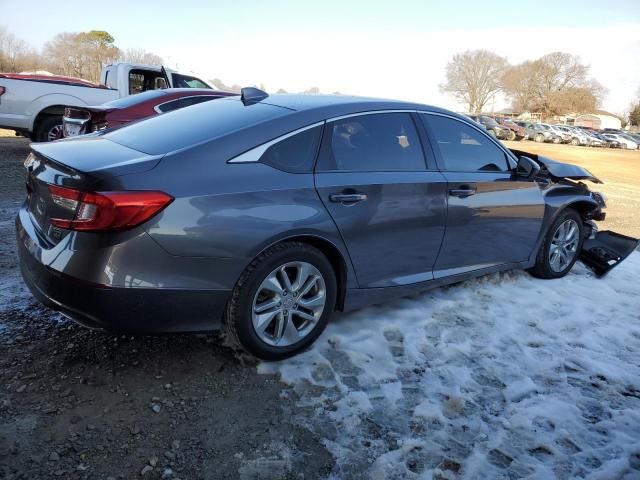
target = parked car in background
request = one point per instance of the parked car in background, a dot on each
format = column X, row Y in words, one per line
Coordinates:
column 635, row 137
column 539, row 132
column 516, row 132
column 631, row 138
column 565, row 136
column 81, row 120
column 594, row 140
column 33, row 105
column 266, row 214
column 626, row 143
column 492, row 127
column 573, row 135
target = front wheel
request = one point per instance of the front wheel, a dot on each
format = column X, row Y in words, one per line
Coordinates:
column 539, row 138
column 512, row 135
column 561, row 246
column 282, row 301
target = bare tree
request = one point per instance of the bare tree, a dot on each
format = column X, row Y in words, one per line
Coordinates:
column 556, row 83
column 139, row 55
column 15, row 54
column 220, row 85
column 474, row 77
column 81, row 54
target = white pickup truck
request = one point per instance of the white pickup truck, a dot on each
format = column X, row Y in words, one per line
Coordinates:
column 33, row 105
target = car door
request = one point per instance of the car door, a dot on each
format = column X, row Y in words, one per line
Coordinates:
column 493, row 218
column 387, row 202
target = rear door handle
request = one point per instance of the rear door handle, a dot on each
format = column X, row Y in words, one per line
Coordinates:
column 347, row 198
column 462, row 192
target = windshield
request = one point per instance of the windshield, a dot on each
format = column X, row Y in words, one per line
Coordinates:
column 490, row 122
column 185, row 81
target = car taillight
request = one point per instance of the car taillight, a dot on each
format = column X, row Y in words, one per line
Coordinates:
column 106, row 211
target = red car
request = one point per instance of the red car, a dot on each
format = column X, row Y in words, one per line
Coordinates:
column 81, row 120
column 516, row 131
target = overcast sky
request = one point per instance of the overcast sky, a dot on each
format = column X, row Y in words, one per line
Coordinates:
column 379, row 48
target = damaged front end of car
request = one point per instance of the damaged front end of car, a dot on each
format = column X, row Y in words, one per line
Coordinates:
column 601, row 250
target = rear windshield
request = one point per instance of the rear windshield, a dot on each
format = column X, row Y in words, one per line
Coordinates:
column 128, row 101
column 194, row 125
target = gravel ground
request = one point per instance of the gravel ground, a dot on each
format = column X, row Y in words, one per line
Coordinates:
column 79, row 404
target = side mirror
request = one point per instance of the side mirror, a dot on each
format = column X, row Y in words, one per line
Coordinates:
column 527, row 168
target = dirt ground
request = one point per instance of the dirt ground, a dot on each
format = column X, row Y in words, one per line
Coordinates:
column 80, row 404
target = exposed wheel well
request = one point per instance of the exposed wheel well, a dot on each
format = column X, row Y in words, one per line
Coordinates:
column 584, row 208
column 335, row 258
column 52, row 110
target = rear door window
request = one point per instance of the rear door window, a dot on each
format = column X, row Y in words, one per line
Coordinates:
column 464, row 148
column 373, row 142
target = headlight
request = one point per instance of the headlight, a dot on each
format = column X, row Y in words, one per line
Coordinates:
column 601, row 198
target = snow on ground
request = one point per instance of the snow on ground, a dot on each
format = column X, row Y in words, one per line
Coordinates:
column 506, row 376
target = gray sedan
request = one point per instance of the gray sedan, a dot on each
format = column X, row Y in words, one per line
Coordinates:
column 266, row 214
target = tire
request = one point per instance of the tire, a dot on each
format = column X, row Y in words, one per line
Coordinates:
column 493, row 133
column 575, row 141
column 257, row 281
column 539, row 138
column 512, row 136
column 557, row 140
column 48, row 129
column 544, row 268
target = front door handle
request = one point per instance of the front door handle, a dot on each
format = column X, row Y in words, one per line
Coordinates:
column 347, row 198
column 462, row 192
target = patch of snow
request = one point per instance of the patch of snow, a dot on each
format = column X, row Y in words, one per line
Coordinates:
column 504, row 376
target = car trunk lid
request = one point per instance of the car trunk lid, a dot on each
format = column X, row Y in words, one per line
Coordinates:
column 95, row 167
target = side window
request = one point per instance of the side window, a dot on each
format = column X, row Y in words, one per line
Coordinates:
column 376, row 142
column 143, row 80
column 136, row 83
column 463, row 148
column 295, row 154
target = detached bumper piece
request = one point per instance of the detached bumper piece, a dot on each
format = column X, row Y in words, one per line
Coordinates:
column 607, row 250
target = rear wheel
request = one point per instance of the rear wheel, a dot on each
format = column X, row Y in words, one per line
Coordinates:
column 512, row 135
column 49, row 129
column 282, row 301
column 539, row 138
column 574, row 141
column 561, row 246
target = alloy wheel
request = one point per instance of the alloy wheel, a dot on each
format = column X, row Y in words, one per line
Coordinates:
column 288, row 304
column 564, row 245
column 54, row 133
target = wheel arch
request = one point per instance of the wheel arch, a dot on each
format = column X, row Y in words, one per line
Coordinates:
column 51, row 110
column 333, row 254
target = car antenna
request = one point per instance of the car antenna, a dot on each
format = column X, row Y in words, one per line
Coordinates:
column 251, row 95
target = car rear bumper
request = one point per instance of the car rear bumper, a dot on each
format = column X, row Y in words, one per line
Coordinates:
column 117, row 309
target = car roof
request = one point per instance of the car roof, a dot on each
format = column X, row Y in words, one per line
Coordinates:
column 307, row 102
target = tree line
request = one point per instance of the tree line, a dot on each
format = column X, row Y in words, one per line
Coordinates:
column 554, row 84
column 80, row 54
